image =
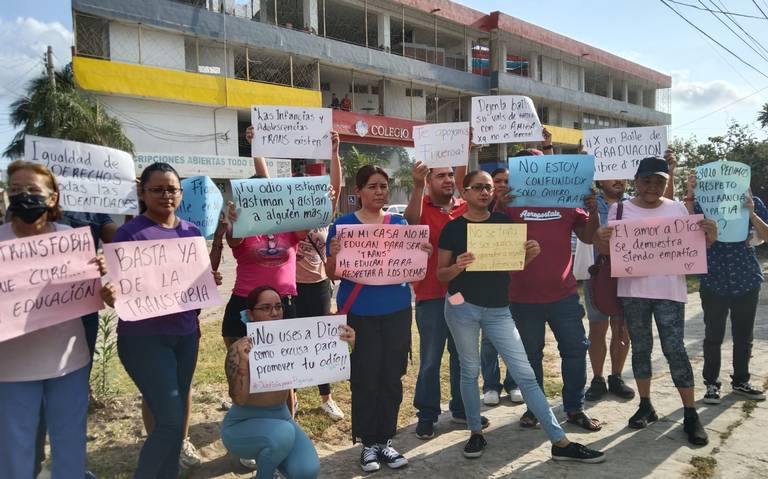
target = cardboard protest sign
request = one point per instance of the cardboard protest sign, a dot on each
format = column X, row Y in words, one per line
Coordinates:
column 497, row 247
column 275, row 205
column 291, row 132
column 658, row 247
column 382, row 254
column 46, row 280
column 559, row 181
column 721, row 189
column 618, row 151
column 504, row 119
column 442, row 144
column 91, row 178
column 201, row 204
column 159, row 277
column 296, row 353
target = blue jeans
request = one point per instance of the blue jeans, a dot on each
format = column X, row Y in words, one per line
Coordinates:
column 66, row 409
column 489, row 366
column 465, row 321
column 271, row 437
column 564, row 318
column 433, row 335
column 161, row 367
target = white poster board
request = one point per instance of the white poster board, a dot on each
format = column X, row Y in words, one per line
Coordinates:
column 504, row 119
column 291, row 132
column 618, row 151
column 91, row 178
column 279, row 168
column 442, row 144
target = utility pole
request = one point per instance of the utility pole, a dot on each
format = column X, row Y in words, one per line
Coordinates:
column 49, row 66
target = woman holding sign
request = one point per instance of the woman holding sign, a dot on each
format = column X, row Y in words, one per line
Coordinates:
column 661, row 298
column 49, row 365
column 478, row 301
column 160, row 353
column 259, row 425
column 381, row 317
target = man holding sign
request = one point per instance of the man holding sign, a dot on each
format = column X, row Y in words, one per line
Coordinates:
column 661, row 297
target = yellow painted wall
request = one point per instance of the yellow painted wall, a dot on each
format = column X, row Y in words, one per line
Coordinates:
column 110, row 77
column 562, row 135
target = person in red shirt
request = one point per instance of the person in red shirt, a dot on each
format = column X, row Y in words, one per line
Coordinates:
column 435, row 208
column 346, row 103
column 545, row 292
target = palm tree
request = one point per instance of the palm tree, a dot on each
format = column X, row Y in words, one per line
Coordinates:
column 762, row 116
column 61, row 111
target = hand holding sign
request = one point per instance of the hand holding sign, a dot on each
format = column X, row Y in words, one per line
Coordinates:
column 496, row 247
column 291, row 132
column 721, row 189
column 504, row 119
column 559, row 181
column 618, row 151
column 442, row 144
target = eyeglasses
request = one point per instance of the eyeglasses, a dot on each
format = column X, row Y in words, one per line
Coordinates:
column 29, row 189
column 480, row 187
column 268, row 308
column 159, row 191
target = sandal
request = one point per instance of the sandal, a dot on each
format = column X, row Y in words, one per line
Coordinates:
column 583, row 421
column 528, row 420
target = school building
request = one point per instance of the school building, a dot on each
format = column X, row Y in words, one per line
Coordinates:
column 182, row 74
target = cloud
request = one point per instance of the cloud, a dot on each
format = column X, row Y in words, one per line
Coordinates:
column 706, row 94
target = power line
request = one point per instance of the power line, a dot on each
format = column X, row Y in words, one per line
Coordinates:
column 710, row 37
column 721, row 108
column 761, row 10
column 705, row 9
column 737, row 35
column 754, row 40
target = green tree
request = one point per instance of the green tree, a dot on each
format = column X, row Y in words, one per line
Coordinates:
column 762, row 116
column 352, row 160
column 61, row 111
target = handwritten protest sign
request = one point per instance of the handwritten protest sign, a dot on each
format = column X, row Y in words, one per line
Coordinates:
column 382, row 254
column 658, row 246
column 92, row 179
column 296, row 353
column 291, row 132
column 504, row 119
column 278, row 168
column 442, row 144
column 721, row 189
column 266, row 206
column 158, row 277
column 559, row 181
column 201, row 204
column 46, row 280
column 618, row 151
column 497, row 247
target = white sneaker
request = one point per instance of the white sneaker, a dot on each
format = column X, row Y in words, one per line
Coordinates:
column 332, row 410
column 249, row 463
column 389, row 456
column 516, row 396
column 491, row 398
column 189, row 456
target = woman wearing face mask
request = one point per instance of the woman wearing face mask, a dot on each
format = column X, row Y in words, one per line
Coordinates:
column 659, row 298
column 160, row 353
column 259, row 425
column 49, row 365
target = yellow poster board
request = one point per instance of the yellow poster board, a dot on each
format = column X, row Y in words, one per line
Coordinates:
column 497, row 247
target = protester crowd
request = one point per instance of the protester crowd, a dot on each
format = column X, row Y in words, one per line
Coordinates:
column 479, row 315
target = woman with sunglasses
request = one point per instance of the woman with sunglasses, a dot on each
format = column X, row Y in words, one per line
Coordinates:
column 381, row 317
column 478, row 301
column 259, row 425
column 160, row 353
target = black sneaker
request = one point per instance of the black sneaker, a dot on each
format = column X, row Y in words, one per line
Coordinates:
column 643, row 417
column 617, row 386
column 578, row 453
column 746, row 390
column 389, row 456
column 695, row 430
column 369, row 459
column 425, row 430
column 712, row 396
column 484, row 422
column 475, row 446
column 597, row 389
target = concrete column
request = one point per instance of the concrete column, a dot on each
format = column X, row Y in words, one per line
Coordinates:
column 468, row 47
column 501, row 153
column 310, row 15
column 533, row 65
column 263, row 12
column 625, row 91
column 382, row 23
column 652, row 97
column 610, row 87
column 582, row 79
column 502, row 56
column 640, row 96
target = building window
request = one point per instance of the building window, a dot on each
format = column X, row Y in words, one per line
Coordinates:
column 361, row 88
column 415, row 92
column 92, row 36
column 325, row 86
column 374, row 90
column 517, row 65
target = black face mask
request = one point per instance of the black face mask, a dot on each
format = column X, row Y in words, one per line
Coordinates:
column 29, row 208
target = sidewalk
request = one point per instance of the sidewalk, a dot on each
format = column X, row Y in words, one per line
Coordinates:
column 661, row 450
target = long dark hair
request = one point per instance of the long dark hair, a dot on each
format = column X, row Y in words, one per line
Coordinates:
column 147, row 173
column 364, row 174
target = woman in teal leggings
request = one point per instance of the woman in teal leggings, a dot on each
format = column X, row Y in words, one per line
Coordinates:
column 259, row 426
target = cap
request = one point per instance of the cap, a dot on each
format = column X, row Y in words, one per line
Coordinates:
column 653, row 165
column 528, row 152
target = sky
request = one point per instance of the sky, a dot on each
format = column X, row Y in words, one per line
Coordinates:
column 710, row 88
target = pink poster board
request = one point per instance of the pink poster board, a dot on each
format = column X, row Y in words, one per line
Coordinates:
column 382, row 254
column 158, row 277
column 46, row 280
column 658, row 247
